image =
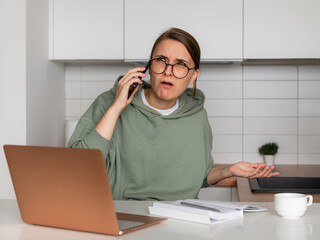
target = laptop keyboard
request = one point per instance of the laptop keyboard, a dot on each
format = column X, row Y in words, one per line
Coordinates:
column 125, row 224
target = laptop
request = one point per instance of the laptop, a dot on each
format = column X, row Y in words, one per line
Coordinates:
column 68, row 188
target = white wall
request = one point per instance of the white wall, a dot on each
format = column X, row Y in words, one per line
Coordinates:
column 45, row 82
column 31, row 87
column 247, row 106
column 12, row 83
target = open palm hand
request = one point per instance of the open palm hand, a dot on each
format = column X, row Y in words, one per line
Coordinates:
column 252, row 170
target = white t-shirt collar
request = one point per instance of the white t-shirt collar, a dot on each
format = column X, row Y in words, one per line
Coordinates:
column 165, row 112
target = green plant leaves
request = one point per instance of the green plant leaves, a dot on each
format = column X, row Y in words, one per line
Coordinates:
column 270, row 148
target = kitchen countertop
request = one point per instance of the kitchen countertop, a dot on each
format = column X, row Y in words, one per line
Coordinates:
column 261, row 225
column 245, row 194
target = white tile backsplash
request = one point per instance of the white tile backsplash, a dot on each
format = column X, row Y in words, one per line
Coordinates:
column 72, row 72
column 270, row 126
column 252, row 157
column 223, row 108
column 287, row 144
column 270, row 108
column 103, row 72
column 73, row 108
column 227, row 143
column 73, row 90
column 309, row 144
column 270, row 89
column 226, row 158
column 307, row 72
column 309, row 89
column 309, row 108
column 223, row 125
column 309, row 158
column 85, row 104
column 281, row 158
column 90, row 90
column 267, row 73
column 221, row 89
column 247, row 106
column 309, row 126
column 220, row 72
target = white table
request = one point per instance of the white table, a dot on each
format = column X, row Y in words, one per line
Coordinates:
column 263, row 225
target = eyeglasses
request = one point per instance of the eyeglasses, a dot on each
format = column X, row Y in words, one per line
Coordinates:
column 179, row 70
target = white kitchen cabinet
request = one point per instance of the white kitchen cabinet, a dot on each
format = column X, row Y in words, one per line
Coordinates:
column 86, row 29
column 216, row 24
column 279, row 29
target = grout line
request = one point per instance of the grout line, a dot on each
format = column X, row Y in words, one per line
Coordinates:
column 298, row 120
column 242, row 17
column 253, row 99
column 242, row 73
column 262, row 134
column 80, row 89
column 276, row 117
column 53, row 48
column 123, row 29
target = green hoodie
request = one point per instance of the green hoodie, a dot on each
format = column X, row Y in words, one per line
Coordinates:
column 151, row 156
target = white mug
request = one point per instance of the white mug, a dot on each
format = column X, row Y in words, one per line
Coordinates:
column 291, row 205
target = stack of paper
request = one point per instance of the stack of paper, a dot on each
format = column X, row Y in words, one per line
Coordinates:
column 199, row 211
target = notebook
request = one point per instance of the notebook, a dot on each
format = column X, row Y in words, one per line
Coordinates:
column 203, row 211
column 68, row 188
column 209, row 212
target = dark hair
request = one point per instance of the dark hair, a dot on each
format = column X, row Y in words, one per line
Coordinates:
column 188, row 41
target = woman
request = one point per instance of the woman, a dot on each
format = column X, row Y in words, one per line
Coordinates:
column 157, row 142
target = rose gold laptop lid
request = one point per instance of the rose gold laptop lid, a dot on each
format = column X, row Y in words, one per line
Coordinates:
column 67, row 188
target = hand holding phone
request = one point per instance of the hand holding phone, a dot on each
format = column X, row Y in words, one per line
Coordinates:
column 134, row 85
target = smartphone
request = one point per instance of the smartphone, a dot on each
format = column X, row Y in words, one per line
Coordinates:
column 134, row 85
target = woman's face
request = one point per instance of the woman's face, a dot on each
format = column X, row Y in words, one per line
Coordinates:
column 166, row 86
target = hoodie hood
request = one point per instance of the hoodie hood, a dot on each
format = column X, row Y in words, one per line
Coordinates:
column 187, row 104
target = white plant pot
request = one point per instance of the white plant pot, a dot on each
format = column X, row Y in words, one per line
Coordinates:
column 269, row 159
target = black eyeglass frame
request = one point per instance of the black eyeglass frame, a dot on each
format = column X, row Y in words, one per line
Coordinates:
column 172, row 65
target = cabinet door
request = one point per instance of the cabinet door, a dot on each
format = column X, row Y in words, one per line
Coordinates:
column 216, row 24
column 275, row 29
column 86, row 29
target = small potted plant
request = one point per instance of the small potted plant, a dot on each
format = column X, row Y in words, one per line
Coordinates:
column 268, row 151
